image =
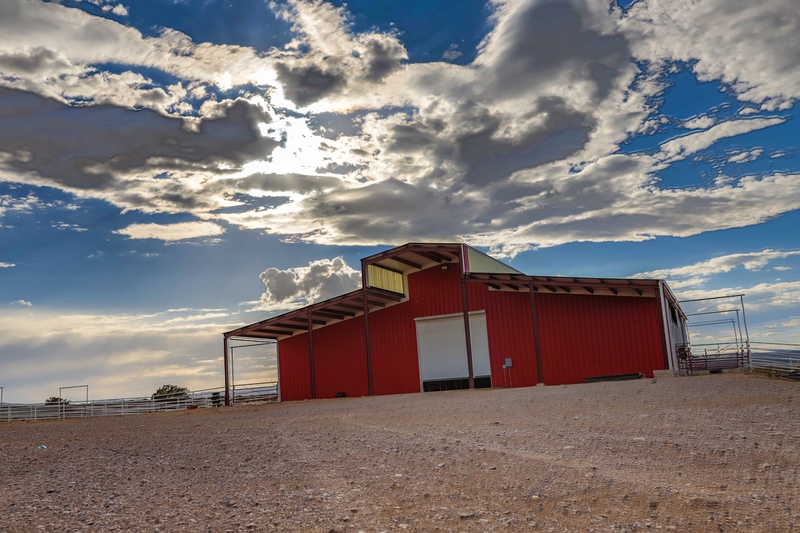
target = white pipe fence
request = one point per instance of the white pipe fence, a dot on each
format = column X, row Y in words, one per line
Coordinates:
column 265, row 392
column 778, row 358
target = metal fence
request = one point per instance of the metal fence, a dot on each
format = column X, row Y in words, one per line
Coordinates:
column 711, row 357
column 265, row 392
column 781, row 359
column 776, row 358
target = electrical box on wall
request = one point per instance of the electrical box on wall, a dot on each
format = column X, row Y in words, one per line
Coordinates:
column 508, row 362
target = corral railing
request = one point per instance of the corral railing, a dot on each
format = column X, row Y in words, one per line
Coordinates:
column 779, row 358
column 265, row 392
column 711, row 357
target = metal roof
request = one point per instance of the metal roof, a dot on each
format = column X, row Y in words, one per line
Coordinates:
column 565, row 285
column 317, row 315
column 413, row 257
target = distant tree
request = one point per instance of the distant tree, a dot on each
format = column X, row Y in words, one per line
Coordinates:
column 55, row 400
column 170, row 392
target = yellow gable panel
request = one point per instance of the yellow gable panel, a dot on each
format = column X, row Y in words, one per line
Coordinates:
column 388, row 280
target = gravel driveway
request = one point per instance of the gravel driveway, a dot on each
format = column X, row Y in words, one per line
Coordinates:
column 704, row 453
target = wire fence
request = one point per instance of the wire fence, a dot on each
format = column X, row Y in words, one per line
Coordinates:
column 265, row 392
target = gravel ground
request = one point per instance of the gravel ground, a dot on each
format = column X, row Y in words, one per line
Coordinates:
column 705, row 453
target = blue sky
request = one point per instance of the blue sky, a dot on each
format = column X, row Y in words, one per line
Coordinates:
column 170, row 170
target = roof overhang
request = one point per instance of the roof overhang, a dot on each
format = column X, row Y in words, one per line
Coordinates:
column 415, row 256
column 317, row 315
column 566, row 285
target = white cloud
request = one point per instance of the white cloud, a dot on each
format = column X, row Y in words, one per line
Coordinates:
column 700, row 123
column 68, row 226
column 320, row 280
column 14, row 204
column 120, row 355
column 119, row 10
column 519, row 148
column 23, row 303
column 452, row 53
column 749, row 46
column 719, row 265
column 687, row 145
column 172, row 232
column 762, row 296
column 6, row 265
column 83, row 39
column 747, row 156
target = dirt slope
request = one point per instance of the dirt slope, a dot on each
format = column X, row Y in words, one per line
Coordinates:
column 708, row 453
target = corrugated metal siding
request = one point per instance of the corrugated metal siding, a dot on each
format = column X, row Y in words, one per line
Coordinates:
column 382, row 278
column 580, row 337
column 340, row 363
column 508, row 319
column 435, row 292
column 395, row 359
column 295, row 378
column 393, row 337
column 585, row 336
column 340, row 359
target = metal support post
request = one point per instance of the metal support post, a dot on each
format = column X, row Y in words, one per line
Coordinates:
column 367, row 341
column 467, row 335
column 535, row 321
column 311, row 355
column 744, row 319
column 227, row 378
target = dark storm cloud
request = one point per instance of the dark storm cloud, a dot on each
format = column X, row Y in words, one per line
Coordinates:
column 92, row 147
column 488, row 158
column 37, row 60
column 316, row 77
column 381, row 56
column 543, row 40
column 296, row 183
column 305, row 84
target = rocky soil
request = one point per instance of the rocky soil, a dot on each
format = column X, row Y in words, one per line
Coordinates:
column 706, row 453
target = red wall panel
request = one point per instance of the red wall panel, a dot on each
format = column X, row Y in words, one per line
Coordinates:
column 438, row 292
column 510, row 329
column 393, row 332
column 580, row 337
column 340, row 363
column 295, row 371
column 585, row 336
column 393, row 338
column 340, row 359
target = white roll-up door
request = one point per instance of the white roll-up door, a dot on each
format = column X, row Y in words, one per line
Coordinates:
column 443, row 350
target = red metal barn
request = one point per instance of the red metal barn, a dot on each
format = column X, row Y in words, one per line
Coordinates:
column 446, row 316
